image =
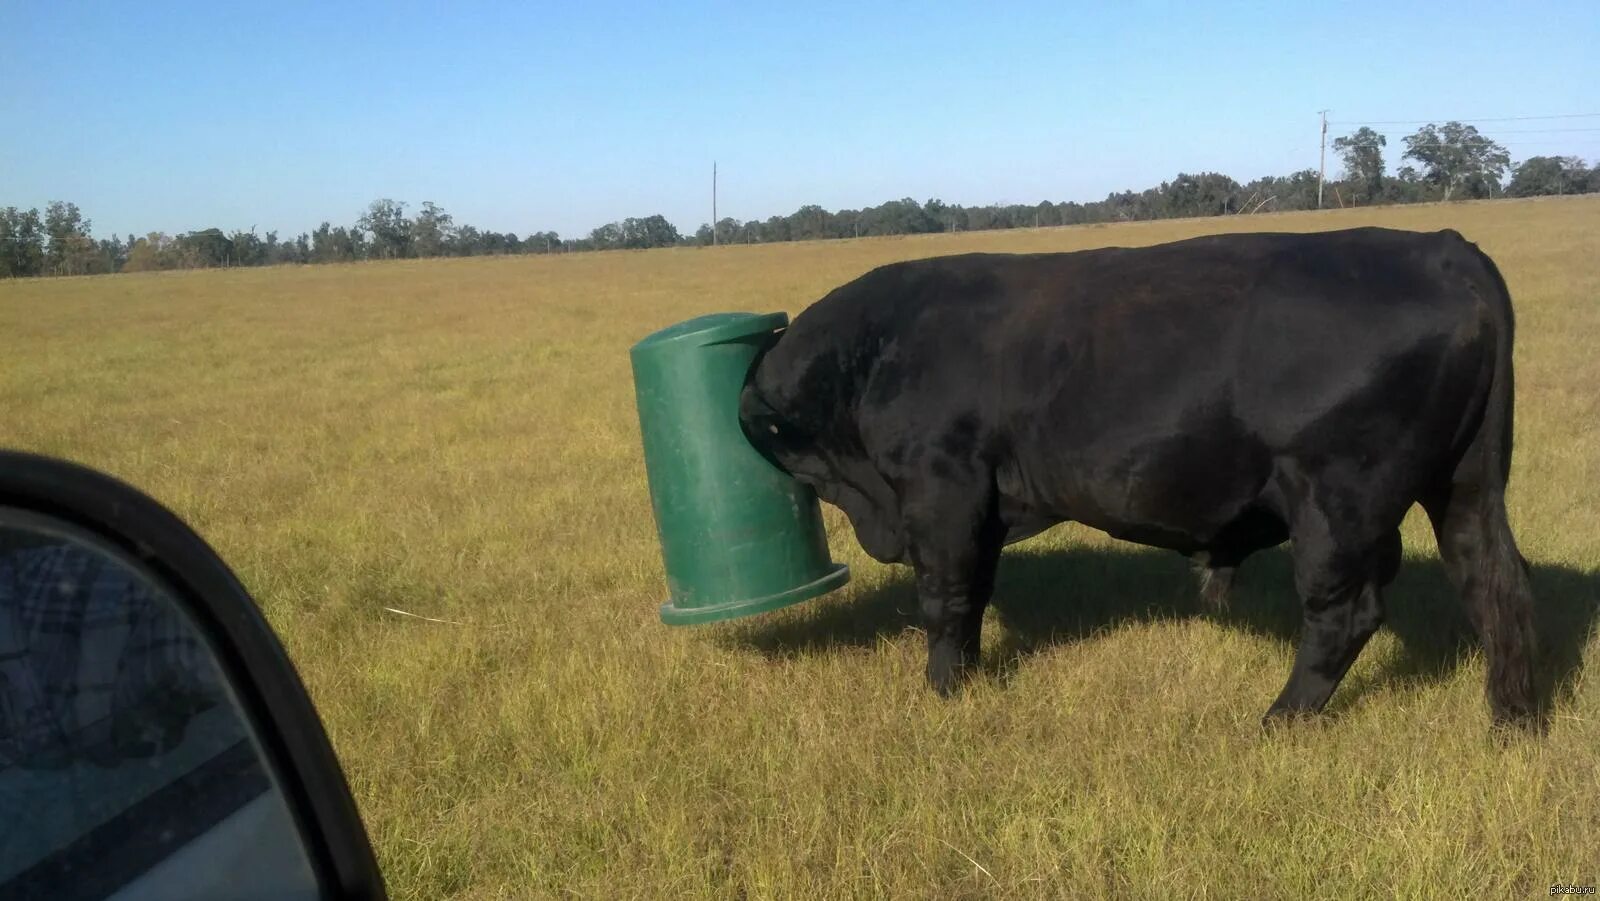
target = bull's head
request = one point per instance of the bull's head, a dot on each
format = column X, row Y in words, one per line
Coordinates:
column 797, row 410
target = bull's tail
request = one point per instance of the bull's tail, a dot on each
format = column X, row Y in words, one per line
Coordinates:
column 1474, row 532
column 1506, row 625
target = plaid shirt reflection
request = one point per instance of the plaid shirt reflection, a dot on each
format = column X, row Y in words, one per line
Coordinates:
column 94, row 664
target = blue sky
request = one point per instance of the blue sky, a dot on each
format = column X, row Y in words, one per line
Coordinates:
column 531, row 116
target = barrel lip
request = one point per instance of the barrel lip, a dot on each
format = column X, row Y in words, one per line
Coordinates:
column 836, row 575
column 712, row 329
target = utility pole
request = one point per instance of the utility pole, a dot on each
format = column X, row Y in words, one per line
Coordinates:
column 1322, row 158
column 713, row 203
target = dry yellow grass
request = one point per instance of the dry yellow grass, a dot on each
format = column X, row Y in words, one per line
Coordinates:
column 458, row 439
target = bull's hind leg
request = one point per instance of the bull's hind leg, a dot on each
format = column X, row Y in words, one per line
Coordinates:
column 955, row 539
column 1339, row 578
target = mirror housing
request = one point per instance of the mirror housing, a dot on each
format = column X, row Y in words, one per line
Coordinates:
column 261, row 680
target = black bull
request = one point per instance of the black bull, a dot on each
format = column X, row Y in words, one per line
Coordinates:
column 1215, row 396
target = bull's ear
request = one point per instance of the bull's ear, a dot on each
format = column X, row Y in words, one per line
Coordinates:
column 760, row 424
column 753, row 410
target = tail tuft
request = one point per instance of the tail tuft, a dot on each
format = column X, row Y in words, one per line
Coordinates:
column 1505, row 621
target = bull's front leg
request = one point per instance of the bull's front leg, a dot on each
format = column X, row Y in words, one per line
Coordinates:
column 955, row 541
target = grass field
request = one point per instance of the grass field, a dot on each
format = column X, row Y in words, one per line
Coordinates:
column 458, row 439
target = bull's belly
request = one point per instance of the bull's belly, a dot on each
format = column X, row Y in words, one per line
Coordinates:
column 1252, row 529
column 1225, row 505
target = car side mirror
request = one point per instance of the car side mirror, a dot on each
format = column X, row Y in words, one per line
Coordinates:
column 155, row 741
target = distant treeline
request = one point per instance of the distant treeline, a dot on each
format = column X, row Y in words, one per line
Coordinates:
column 1453, row 161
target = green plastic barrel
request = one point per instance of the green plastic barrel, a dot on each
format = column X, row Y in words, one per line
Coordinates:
column 738, row 535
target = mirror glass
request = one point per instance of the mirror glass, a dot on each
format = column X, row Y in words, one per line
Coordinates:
column 128, row 769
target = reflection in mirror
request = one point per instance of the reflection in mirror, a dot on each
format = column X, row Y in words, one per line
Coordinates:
column 128, row 769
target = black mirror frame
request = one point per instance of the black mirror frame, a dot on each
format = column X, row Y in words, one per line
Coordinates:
column 260, row 672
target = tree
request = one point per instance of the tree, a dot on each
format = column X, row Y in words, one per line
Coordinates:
column 1549, row 175
column 149, row 253
column 1363, row 161
column 336, row 245
column 846, row 224
column 1206, row 194
column 276, row 252
column 655, row 231
column 776, row 228
column 637, row 234
column 1454, row 161
column 431, row 230
column 1457, row 158
column 491, row 242
column 208, row 248
column 114, row 252
column 386, row 221
column 1406, row 186
column 808, row 223
column 729, row 231
column 659, row 232
column 248, row 248
column 907, row 217
column 21, row 243
column 542, row 242
column 606, row 237
column 1072, row 213
column 1129, row 206
column 71, row 250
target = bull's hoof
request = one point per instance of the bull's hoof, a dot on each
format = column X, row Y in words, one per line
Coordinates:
column 1511, row 724
column 1287, row 717
column 947, row 680
column 945, row 683
column 948, row 668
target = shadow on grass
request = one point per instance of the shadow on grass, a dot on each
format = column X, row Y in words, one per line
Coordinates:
column 1045, row 598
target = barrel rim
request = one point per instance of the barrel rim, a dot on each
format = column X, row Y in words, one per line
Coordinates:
column 836, row 576
column 712, row 328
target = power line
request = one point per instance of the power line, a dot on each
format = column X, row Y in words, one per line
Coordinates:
column 1461, row 119
column 1543, row 131
column 1547, row 142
